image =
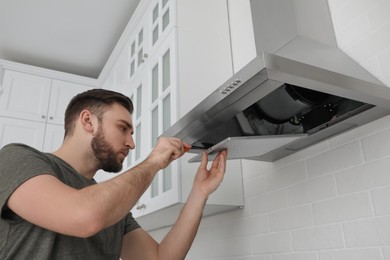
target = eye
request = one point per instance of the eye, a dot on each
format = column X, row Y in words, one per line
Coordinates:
column 123, row 128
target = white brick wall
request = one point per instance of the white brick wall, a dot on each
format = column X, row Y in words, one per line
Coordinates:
column 330, row 201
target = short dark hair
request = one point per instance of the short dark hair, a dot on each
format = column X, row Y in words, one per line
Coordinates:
column 95, row 100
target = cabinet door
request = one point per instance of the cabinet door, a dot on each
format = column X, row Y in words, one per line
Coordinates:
column 54, row 136
column 162, row 112
column 61, row 93
column 24, row 96
column 21, row 131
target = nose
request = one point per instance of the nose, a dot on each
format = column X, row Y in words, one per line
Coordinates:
column 130, row 142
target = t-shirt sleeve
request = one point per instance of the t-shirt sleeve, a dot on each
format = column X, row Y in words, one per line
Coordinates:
column 130, row 223
column 19, row 163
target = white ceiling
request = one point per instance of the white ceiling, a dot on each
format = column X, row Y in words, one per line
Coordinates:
column 72, row 36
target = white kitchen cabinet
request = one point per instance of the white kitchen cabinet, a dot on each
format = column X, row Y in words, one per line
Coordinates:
column 13, row 130
column 41, row 136
column 25, row 96
column 32, row 109
column 36, row 98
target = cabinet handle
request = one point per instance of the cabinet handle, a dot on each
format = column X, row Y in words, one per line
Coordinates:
column 51, row 118
column 43, row 116
column 142, row 206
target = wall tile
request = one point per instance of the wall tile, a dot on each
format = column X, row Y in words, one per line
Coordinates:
column 380, row 199
column 296, row 256
column 371, row 45
column 339, row 158
column 386, row 253
column 260, row 257
column 285, row 176
column 353, row 254
column 353, row 32
column 318, row 238
column 368, row 232
column 268, row 202
column 223, row 247
column 254, row 169
column 255, row 186
column 291, row 218
column 312, row 191
column 351, row 11
column 335, row 5
column 379, row 14
column 245, row 227
column 362, row 177
column 376, row 146
column 272, row 243
column 335, row 210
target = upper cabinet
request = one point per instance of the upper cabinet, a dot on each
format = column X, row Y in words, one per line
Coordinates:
column 32, row 109
column 25, row 96
column 36, row 98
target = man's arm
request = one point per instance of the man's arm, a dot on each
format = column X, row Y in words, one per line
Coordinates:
column 176, row 244
column 47, row 202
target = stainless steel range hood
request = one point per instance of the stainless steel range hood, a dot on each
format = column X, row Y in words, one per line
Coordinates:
column 299, row 90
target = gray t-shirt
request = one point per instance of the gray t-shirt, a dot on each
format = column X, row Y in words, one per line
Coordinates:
column 20, row 239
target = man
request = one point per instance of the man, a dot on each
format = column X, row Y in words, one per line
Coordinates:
column 51, row 208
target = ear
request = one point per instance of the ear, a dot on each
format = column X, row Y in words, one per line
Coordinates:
column 88, row 121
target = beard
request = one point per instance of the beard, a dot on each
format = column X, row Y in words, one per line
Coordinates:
column 104, row 153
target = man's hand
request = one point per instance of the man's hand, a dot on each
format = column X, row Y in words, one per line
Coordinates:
column 207, row 180
column 168, row 149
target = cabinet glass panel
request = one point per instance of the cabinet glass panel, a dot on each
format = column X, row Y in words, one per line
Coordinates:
column 166, row 70
column 132, row 52
column 138, row 144
column 165, row 20
column 154, row 126
column 155, row 185
column 140, row 37
column 132, row 68
column 167, row 178
column 164, row 2
column 166, row 112
column 155, row 13
column 138, row 111
column 155, row 35
column 140, row 58
column 155, row 83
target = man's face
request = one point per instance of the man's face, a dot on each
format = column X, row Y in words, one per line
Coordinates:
column 113, row 139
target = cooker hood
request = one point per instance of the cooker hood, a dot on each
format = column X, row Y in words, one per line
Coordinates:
column 298, row 90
